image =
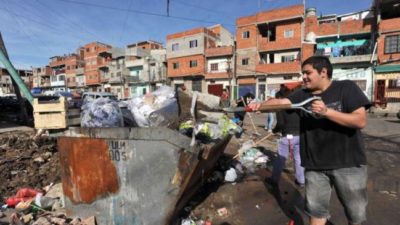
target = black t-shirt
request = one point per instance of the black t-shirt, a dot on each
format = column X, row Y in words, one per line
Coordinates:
column 325, row 144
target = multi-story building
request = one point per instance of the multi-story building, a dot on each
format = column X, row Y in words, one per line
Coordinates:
column 58, row 76
column 96, row 55
column 348, row 42
column 114, row 73
column 387, row 71
column 6, row 86
column 41, row 77
column 268, row 49
column 73, row 63
column 186, row 55
column 220, row 62
column 146, row 65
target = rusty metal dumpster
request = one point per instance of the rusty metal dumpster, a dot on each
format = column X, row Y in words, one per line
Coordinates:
column 132, row 175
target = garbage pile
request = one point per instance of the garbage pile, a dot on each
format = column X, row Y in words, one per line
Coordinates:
column 27, row 162
column 39, row 207
column 161, row 108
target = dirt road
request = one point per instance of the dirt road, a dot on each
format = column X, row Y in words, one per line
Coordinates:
column 253, row 202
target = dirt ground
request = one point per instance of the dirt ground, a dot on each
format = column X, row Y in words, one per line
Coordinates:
column 252, row 201
column 25, row 162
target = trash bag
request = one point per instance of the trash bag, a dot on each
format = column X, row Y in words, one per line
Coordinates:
column 159, row 108
column 101, row 112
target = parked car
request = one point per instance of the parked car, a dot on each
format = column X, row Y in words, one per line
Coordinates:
column 96, row 95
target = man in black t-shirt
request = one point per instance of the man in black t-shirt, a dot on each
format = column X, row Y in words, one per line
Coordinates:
column 332, row 148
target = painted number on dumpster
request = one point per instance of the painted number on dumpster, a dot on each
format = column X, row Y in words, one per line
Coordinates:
column 117, row 150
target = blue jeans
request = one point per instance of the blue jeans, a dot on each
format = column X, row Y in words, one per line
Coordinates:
column 270, row 121
column 286, row 147
column 351, row 188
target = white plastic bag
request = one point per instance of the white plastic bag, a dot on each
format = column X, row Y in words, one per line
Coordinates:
column 101, row 112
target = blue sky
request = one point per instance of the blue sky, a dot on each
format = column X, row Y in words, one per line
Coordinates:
column 35, row 30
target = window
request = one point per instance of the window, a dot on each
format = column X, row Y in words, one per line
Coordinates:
column 245, row 61
column 118, row 74
column 288, row 77
column 246, row 34
column 175, row 47
column 392, row 44
column 193, row 63
column 394, row 83
column 193, row 44
column 287, row 58
column 196, row 85
column 288, row 33
column 272, row 33
column 214, row 66
column 175, row 65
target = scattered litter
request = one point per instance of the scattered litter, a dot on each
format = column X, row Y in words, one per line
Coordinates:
column 222, row 212
column 230, row 175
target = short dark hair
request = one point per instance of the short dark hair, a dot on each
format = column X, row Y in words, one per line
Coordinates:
column 318, row 63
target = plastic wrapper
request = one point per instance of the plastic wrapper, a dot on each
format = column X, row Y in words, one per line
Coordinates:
column 101, row 112
column 159, row 108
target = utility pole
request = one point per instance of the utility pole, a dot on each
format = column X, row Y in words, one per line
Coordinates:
column 15, row 81
column 229, row 71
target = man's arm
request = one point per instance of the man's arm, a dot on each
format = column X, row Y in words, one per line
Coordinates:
column 356, row 119
column 273, row 101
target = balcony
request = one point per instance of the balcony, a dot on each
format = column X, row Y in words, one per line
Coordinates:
column 115, row 80
column 219, row 51
column 57, row 72
column 139, row 52
column 284, row 68
column 133, row 79
column 134, row 63
column 347, row 54
column 290, row 43
column 80, row 71
column 57, row 83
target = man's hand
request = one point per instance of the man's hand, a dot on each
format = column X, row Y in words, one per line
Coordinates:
column 254, row 106
column 318, row 107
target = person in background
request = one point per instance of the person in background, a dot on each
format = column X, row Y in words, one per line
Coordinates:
column 248, row 97
column 269, row 122
column 225, row 102
column 288, row 124
column 331, row 145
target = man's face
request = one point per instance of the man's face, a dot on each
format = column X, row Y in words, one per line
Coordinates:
column 311, row 77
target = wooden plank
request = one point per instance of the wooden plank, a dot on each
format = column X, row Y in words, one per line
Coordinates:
column 50, row 106
column 50, row 120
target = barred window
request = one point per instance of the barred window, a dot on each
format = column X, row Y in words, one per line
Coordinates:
column 392, row 44
column 214, row 66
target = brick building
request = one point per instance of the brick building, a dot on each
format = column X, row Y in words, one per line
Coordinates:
column 198, row 58
column 268, row 49
column 348, row 41
column 387, row 71
column 145, row 62
column 96, row 55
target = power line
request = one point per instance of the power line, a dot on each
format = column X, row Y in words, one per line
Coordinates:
column 126, row 18
column 55, row 28
column 143, row 12
column 22, row 27
column 71, row 22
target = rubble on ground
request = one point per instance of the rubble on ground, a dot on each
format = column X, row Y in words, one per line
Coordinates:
column 27, row 162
